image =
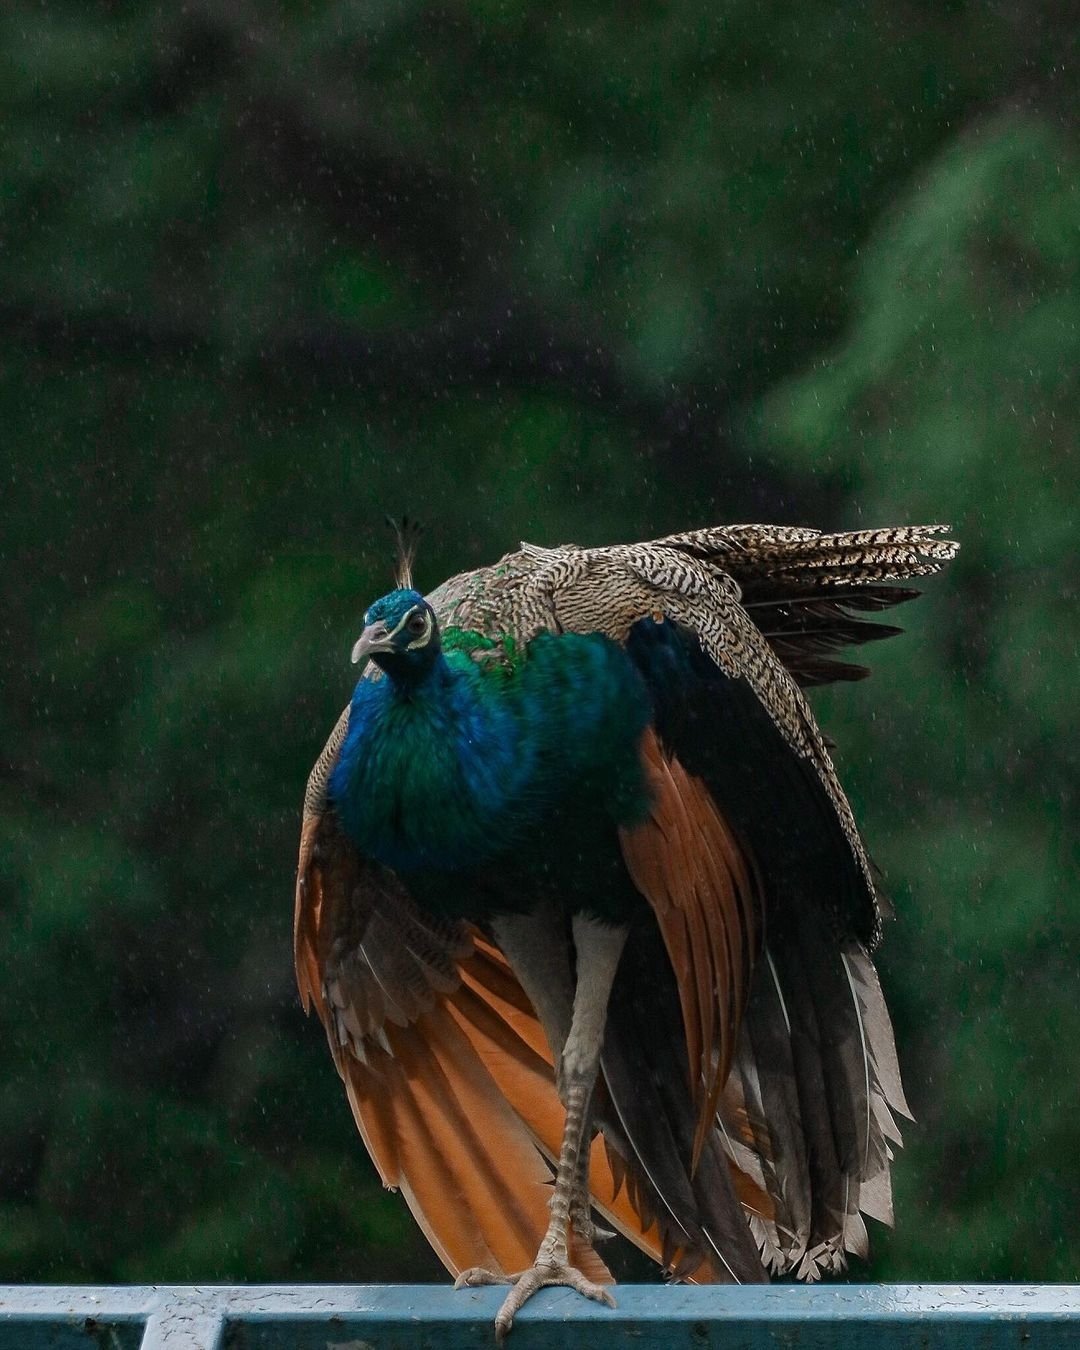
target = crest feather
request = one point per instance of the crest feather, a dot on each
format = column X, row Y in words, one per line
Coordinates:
column 407, row 533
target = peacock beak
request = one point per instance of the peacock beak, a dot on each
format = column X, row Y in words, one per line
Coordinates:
column 374, row 638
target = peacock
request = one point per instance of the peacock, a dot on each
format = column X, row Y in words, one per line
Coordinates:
column 586, row 916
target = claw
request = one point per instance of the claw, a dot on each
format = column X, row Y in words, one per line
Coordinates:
column 582, row 1223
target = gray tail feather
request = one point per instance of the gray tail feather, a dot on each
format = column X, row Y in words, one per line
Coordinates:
column 814, row 1088
column 646, row 1074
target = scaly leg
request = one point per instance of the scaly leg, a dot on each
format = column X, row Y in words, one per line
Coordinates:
column 534, row 946
column 581, row 1219
column 598, row 948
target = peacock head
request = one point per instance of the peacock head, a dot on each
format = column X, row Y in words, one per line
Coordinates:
column 400, row 635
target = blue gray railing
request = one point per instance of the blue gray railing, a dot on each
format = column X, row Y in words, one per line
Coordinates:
column 434, row 1317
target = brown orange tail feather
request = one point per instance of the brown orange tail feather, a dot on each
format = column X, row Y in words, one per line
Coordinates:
column 686, row 862
column 497, row 1173
column 520, row 1061
column 439, row 1129
column 463, row 1112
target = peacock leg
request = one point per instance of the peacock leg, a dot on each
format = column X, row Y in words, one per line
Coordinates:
column 597, row 949
column 541, row 957
column 581, row 1219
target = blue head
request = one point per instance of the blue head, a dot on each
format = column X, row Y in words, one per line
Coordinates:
column 400, row 635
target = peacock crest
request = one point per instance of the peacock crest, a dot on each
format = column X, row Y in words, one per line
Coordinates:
column 407, row 532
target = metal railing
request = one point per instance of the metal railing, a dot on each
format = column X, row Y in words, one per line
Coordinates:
column 434, row 1317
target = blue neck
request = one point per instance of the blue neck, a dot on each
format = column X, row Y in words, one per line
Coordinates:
column 431, row 773
column 410, row 671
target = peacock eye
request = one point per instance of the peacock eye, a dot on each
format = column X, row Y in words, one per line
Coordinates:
column 417, row 623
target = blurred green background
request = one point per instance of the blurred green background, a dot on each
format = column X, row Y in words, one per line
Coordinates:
column 269, row 271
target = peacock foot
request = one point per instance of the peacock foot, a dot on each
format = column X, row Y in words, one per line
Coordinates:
column 527, row 1282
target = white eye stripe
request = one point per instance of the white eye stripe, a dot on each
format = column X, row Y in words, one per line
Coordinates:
column 422, row 639
column 401, row 623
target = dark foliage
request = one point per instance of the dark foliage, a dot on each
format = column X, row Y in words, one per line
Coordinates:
column 272, row 271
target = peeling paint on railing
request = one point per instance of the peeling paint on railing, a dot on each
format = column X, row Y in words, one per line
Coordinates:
column 434, row 1317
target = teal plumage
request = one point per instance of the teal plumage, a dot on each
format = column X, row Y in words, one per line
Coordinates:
column 576, row 858
column 454, row 766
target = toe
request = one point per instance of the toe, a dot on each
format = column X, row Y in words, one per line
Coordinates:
column 477, row 1275
column 574, row 1279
